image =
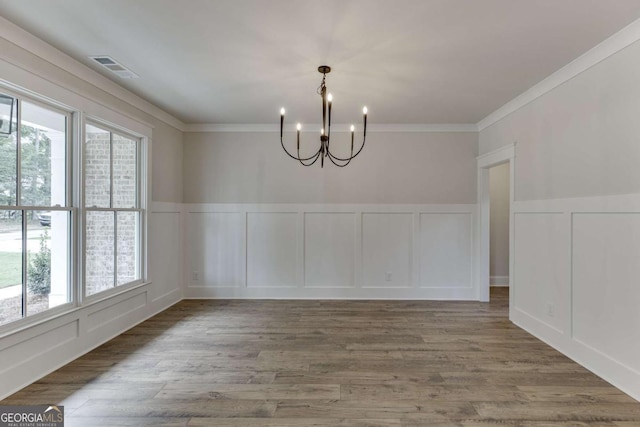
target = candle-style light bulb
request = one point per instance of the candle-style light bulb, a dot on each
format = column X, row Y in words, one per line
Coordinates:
column 353, row 128
column 298, row 127
column 322, row 131
column 281, row 122
column 364, row 122
column 329, row 97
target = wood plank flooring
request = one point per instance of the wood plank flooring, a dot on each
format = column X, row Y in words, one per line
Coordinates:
column 331, row 363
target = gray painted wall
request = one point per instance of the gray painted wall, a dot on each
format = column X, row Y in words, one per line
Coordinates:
column 580, row 139
column 392, row 168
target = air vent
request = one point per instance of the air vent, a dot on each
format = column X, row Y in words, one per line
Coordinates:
column 115, row 67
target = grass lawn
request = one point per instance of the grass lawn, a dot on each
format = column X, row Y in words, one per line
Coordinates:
column 10, row 269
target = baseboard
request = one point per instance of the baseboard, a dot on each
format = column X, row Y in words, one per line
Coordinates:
column 499, row 281
column 331, row 293
column 617, row 374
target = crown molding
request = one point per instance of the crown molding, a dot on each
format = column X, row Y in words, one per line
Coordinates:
column 38, row 47
column 615, row 43
column 212, row 127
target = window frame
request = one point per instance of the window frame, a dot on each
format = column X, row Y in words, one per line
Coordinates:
column 142, row 184
column 69, row 206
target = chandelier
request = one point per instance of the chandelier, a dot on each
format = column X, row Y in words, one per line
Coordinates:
column 325, row 133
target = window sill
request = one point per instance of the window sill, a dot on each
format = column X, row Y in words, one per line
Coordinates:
column 88, row 301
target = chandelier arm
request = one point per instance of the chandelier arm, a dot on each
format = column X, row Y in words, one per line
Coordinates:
column 294, row 157
column 339, row 165
column 345, row 160
column 317, row 156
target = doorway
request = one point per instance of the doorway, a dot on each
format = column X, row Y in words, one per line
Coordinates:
column 496, row 271
column 499, row 212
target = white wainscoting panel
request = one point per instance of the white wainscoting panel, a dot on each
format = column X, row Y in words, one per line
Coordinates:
column 387, row 250
column 446, row 241
column 329, row 249
column 606, row 284
column 576, row 270
column 105, row 316
column 216, row 247
column 272, row 253
column 542, row 268
column 16, row 355
column 165, row 248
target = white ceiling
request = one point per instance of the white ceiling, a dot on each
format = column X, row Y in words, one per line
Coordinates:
column 409, row 61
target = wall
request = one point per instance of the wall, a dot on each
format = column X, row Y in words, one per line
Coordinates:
column 396, row 223
column 167, row 163
column 581, row 138
column 420, row 167
column 39, row 348
column 499, row 225
column 577, row 215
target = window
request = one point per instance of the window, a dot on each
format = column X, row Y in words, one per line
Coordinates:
column 71, row 209
column 35, row 208
column 113, row 209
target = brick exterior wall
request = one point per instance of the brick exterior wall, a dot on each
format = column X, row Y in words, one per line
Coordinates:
column 124, row 172
column 97, row 170
column 100, row 225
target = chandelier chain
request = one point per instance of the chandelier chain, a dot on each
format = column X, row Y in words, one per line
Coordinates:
column 322, row 85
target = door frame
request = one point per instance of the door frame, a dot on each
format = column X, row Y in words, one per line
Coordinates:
column 486, row 161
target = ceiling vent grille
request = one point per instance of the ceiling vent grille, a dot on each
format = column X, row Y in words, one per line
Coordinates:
column 115, row 67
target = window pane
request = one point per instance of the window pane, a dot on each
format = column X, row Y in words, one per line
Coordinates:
column 8, row 157
column 10, row 266
column 42, row 156
column 47, row 261
column 99, row 252
column 97, row 168
column 124, row 172
column 127, row 247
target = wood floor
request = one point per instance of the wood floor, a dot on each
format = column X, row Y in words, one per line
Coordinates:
column 330, row 363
